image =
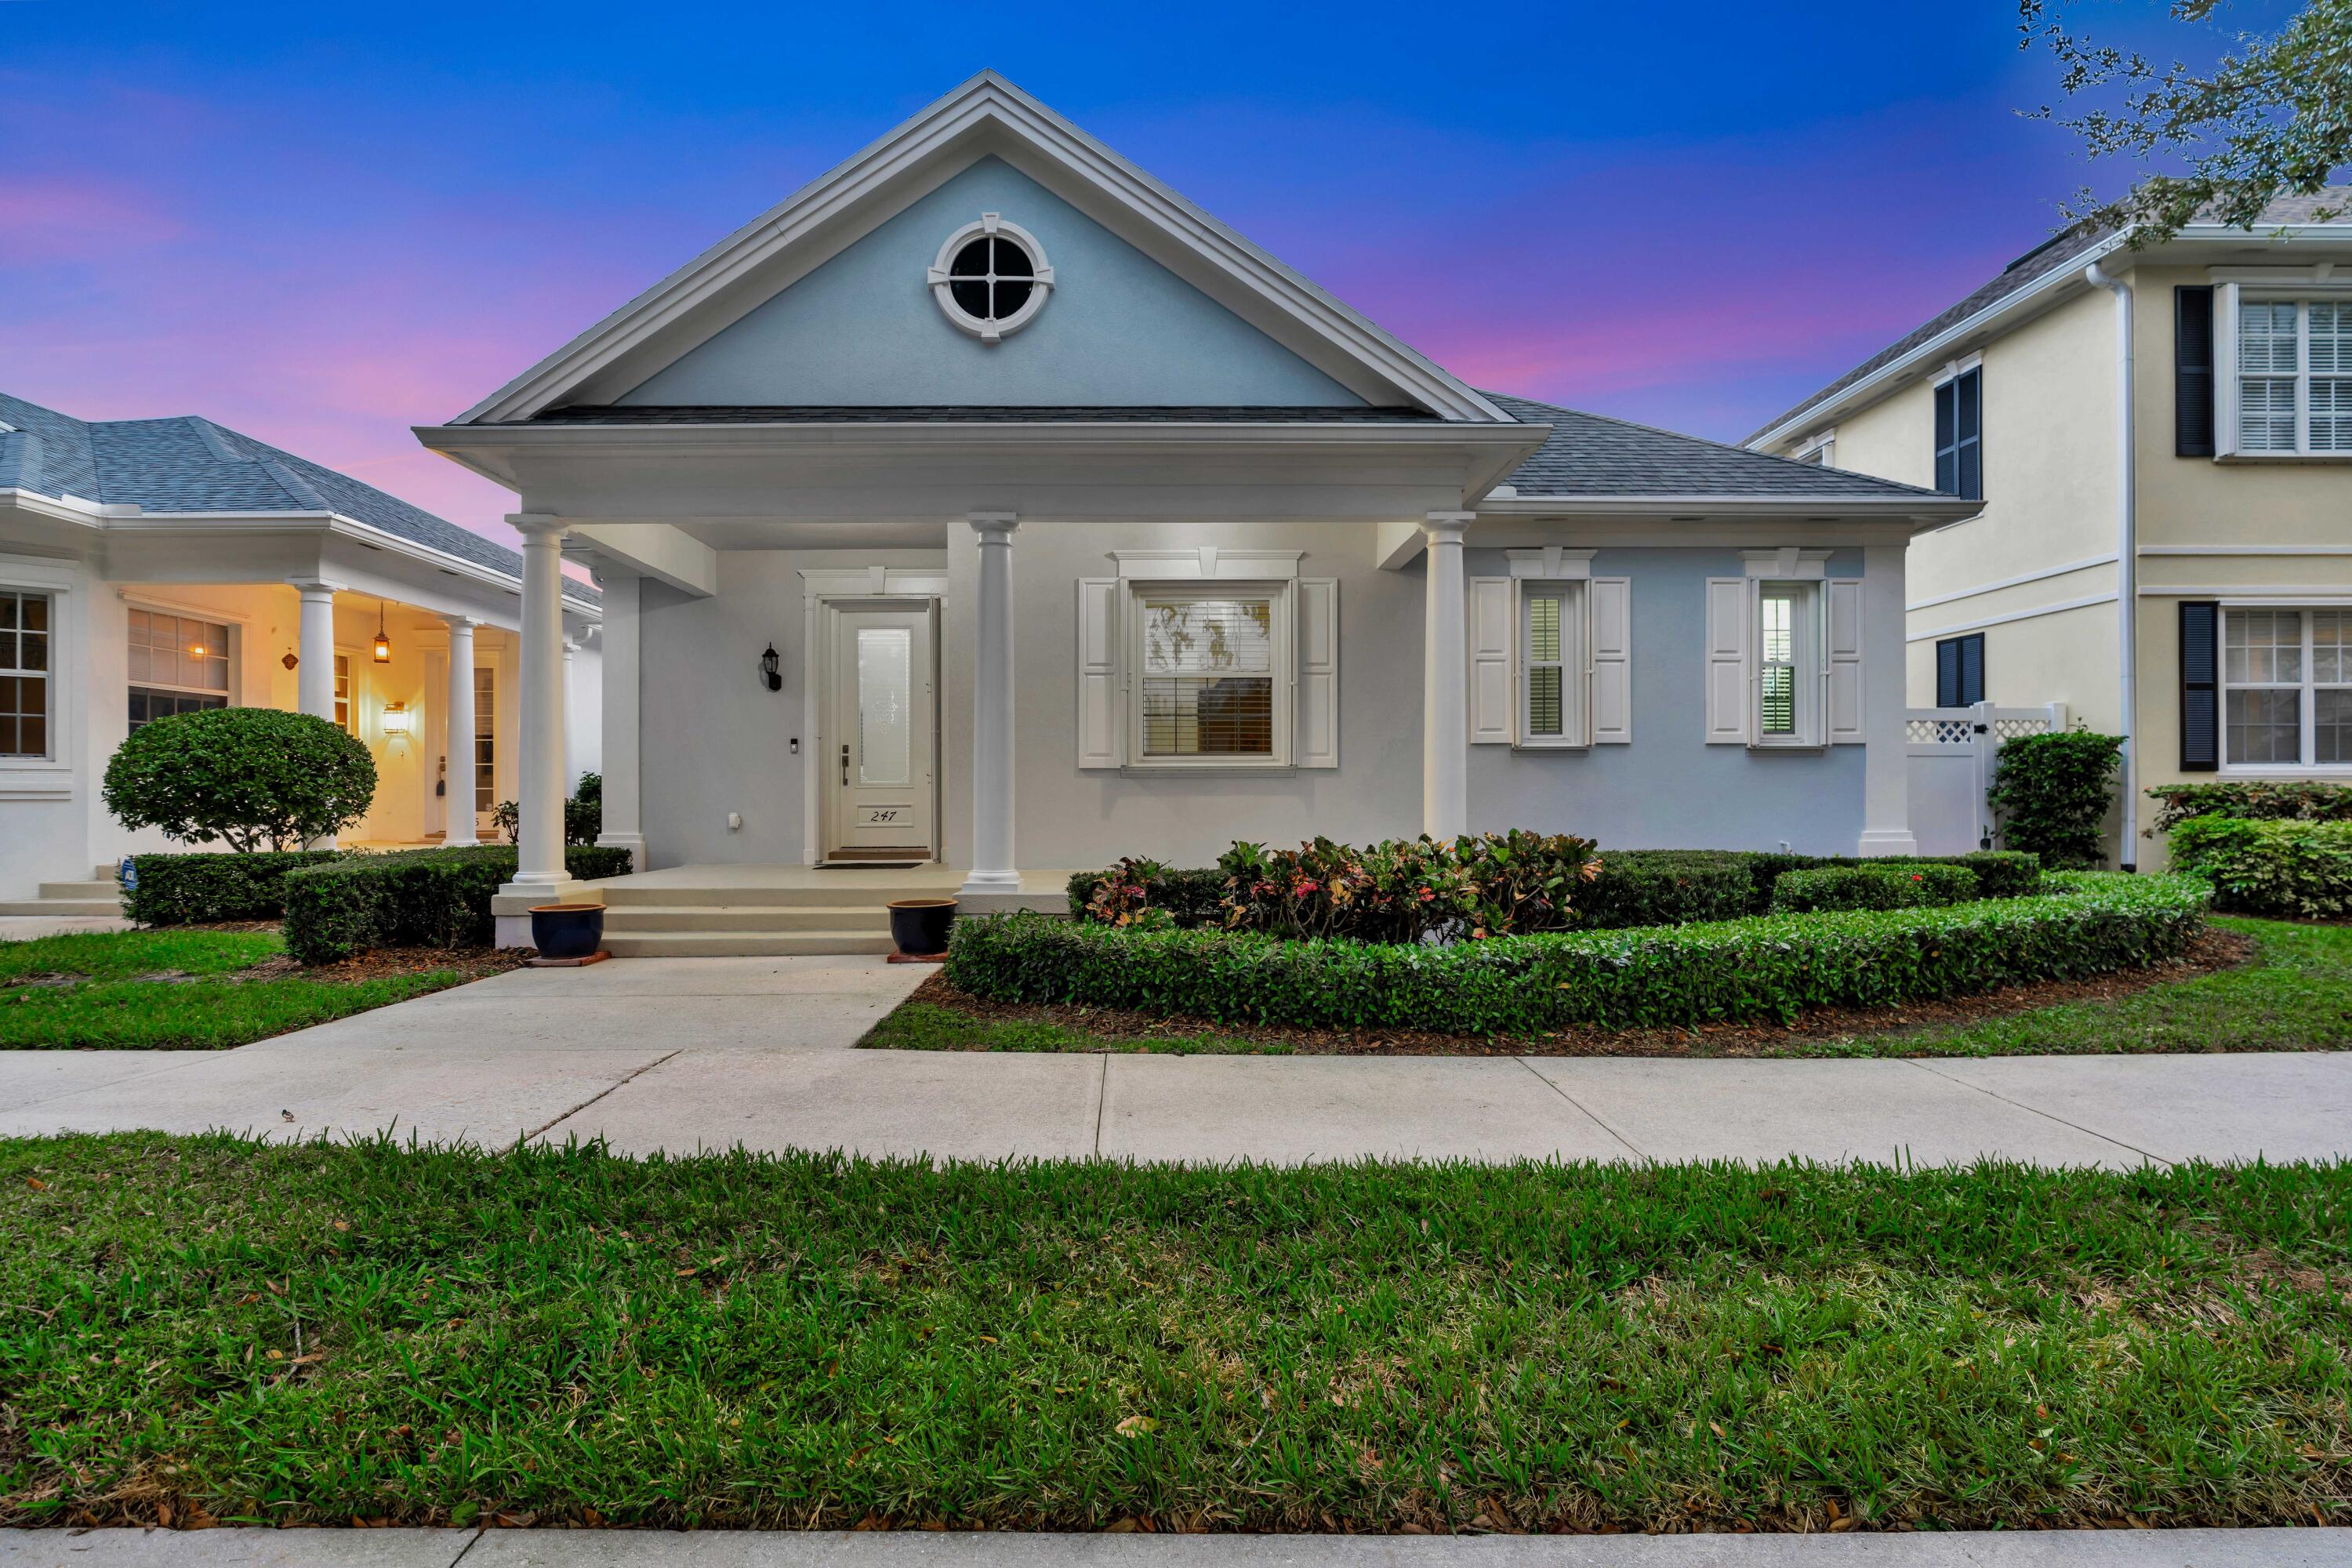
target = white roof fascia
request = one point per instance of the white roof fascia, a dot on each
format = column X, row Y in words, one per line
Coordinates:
column 213, row 523
column 2039, row 294
column 1928, row 510
column 2034, row 298
column 986, row 101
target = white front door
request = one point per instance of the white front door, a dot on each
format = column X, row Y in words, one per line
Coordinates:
column 879, row 732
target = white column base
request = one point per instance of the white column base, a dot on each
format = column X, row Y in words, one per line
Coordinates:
column 634, row 842
column 1880, row 843
column 990, row 882
column 514, row 930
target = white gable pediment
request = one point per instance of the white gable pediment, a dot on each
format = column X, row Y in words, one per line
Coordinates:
column 1211, row 319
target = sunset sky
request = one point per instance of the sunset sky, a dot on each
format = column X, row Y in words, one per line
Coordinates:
column 323, row 224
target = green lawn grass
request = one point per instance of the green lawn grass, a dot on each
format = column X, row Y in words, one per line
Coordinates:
column 314, row 1332
column 109, row 1007
column 2295, row 995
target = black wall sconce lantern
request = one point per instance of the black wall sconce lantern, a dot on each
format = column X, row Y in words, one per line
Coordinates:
column 771, row 669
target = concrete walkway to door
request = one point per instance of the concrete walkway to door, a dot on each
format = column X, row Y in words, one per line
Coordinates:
column 698, row 1053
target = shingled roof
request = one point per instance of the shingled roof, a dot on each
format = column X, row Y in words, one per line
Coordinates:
column 1590, row 455
column 189, row 464
column 2070, row 250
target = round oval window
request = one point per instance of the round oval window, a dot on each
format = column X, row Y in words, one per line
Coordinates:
column 991, row 278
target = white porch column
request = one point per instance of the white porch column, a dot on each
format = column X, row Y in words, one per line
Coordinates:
column 570, row 755
column 623, row 819
column 993, row 869
column 1444, row 681
column 539, row 869
column 1886, row 776
column 457, row 814
column 314, row 676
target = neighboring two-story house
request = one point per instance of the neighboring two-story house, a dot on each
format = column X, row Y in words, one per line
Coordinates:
column 2203, row 523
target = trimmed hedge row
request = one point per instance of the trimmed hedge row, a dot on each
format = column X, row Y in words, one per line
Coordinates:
column 1902, row 887
column 2271, row 867
column 2253, row 800
column 1774, row 967
column 411, row 898
column 1635, row 886
column 194, row 889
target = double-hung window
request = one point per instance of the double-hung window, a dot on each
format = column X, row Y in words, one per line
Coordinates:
column 1551, row 651
column 26, row 628
column 1784, row 653
column 2284, row 370
column 1207, row 662
column 2286, row 687
column 1788, row 664
column 1960, row 671
column 179, row 664
column 2294, row 375
column 1960, row 434
column 1553, row 662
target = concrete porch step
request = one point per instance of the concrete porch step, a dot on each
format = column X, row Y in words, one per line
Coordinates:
column 743, row 944
column 638, row 919
column 94, row 889
column 62, row 907
column 857, row 893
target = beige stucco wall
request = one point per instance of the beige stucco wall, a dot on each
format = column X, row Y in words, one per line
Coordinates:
column 2049, row 503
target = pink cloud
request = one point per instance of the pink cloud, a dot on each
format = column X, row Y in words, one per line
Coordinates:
column 51, row 219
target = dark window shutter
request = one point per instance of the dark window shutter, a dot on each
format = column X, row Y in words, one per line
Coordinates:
column 2192, row 371
column 1947, row 674
column 1969, row 398
column 2200, row 727
column 1972, row 686
column 1948, row 459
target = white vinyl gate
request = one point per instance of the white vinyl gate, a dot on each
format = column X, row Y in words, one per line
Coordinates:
column 1951, row 752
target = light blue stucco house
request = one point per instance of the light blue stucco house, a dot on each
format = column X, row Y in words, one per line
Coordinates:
column 1079, row 526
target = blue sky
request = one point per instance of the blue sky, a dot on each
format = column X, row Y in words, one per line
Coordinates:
column 323, row 224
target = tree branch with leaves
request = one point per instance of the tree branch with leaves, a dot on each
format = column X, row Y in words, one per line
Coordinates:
column 2271, row 116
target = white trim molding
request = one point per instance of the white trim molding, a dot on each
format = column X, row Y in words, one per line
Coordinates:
column 1208, row 563
column 2059, row 609
column 1551, row 563
column 2019, row 581
column 1786, row 565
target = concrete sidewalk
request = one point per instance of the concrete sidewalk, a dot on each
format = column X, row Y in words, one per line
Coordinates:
column 918, row 1549
column 695, row 1053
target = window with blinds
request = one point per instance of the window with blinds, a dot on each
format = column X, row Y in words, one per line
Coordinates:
column 1776, row 665
column 1206, row 675
column 2294, row 376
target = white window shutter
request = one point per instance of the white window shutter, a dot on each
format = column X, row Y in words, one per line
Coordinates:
column 1727, row 661
column 1102, row 717
column 1844, row 664
column 1318, row 673
column 1612, row 690
column 1494, row 697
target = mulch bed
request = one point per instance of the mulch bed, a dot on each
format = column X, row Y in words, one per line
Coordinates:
column 386, row 962
column 2209, row 952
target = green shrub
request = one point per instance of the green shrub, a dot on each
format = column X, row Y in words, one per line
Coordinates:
column 2253, row 802
column 2052, row 793
column 1669, row 887
column 192, row 889
column 411, row 898
column 1902, row 886
column 252, row 778
column 1772, row 966
column 2270, row 868
column 583, row 814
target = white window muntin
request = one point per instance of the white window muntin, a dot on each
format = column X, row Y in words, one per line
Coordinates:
column 2284, row 371
column 2286, row 689
column 1174, row 661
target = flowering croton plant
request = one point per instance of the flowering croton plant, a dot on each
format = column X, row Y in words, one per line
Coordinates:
column 1408, row 889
